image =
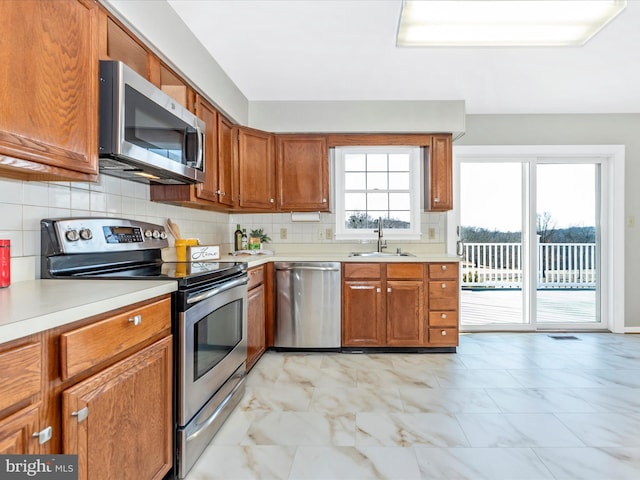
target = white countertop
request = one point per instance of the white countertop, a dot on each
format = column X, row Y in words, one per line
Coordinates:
column 36, row 305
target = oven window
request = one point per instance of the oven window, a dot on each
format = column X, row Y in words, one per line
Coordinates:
column 215, row 336
column 154, row 128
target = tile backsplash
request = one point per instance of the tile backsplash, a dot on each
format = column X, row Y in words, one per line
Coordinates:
column 23, row 204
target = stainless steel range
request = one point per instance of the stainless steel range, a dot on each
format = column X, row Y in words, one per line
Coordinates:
column 209, row 319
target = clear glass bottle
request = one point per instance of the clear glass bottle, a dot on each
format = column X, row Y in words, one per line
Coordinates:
column 245, row 240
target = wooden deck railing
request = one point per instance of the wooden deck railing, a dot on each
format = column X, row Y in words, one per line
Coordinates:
column 559, row 265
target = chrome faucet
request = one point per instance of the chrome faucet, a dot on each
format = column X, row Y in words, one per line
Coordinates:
column 381, row 243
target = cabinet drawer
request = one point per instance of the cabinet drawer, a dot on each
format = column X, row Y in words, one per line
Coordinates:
column 256, row 277
column 87, row 346
column 362, row 270
column 20, row 374
column 439, row 271
column 444, row 337
column 405, row 271
column 443, row 295
column 443, row 319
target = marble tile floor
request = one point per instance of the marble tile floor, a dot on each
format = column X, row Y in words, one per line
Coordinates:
column 506, row 406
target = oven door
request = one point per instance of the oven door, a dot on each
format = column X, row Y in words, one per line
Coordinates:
column 212, row 344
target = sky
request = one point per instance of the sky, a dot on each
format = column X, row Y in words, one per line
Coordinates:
column 491, row 194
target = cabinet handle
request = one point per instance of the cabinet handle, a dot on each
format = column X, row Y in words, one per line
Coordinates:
column 221, row 193
column 443, row 333
column 81, row 414
column 324, row 200
column 436, row 200
column 444, row 285
column 444, row 315
column 378, row 289
column 271, row 200
column 444, row 267
column 44, row 435
column 137, row 320
column 388, row 289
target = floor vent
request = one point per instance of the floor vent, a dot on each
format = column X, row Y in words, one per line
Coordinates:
column 563, row 337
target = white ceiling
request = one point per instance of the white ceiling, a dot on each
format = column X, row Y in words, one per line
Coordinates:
column 345, row 50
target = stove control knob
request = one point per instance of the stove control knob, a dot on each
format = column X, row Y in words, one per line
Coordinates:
column 163, row 234
column 86, row 234
column 72, row 235
column 156, row 234
column 147, row 234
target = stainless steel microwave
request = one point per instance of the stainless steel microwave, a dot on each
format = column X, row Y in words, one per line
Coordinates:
column 145, row 135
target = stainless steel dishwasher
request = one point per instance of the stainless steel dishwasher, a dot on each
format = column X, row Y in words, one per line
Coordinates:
column 308, row 315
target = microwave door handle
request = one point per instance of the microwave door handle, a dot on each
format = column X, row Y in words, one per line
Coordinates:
column 200, row 157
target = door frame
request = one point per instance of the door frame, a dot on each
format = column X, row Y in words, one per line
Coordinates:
column 612, row 211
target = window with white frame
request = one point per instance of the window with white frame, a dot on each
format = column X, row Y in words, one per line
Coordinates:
column 377, row 182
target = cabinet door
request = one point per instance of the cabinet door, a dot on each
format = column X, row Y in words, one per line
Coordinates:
column 363, row 314
column 226, row 195
column 126, row 430
column 439, row 194
column 255, row 325
column 302, row 173
column 16, row 432
column 256, row 187
column 405, row 313
column 209, row 189
column 50, row 131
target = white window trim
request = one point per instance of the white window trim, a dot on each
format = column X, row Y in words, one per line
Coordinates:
column 414, row 233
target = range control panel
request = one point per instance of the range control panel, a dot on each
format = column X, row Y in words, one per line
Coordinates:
column 89, row 235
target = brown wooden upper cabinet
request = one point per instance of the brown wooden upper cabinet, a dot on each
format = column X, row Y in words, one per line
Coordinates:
column 302, row 173
column 255, row 170
column 438, row 189
column 51, row 130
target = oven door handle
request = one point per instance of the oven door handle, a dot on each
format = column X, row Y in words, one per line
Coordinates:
column 215, row 291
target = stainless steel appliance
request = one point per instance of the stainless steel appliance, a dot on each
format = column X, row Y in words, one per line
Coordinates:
column 145, row 135
column 308, row 306
column 209, row 314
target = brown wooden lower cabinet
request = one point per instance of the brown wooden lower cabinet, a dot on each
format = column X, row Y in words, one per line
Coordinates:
column 100, row 388
column 119, row 420
column 392, row 305
column 256, row 318
column 16, row 432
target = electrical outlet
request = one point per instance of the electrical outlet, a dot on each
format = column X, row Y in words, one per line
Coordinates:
column 431, row 233
column 283, row 234
column 328, row 233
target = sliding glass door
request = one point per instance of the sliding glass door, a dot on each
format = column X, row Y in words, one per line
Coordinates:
column 530, row 240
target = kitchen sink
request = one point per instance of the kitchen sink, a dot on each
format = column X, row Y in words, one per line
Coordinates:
column 381, row 254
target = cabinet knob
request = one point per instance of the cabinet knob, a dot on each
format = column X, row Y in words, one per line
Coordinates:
column 444, row 267
column 324, row 200
column 388, row 289
column 378, row 290
column 221, row 193
column 443, row 333
column 436, row 200
column 444, row 285
column 444, row 315
column 271, row 200
column 137, row 320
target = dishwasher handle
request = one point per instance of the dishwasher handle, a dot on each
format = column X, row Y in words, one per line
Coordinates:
column 317, row 269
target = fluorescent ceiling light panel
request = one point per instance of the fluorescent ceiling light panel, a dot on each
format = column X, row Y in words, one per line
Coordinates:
column 463, row 23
